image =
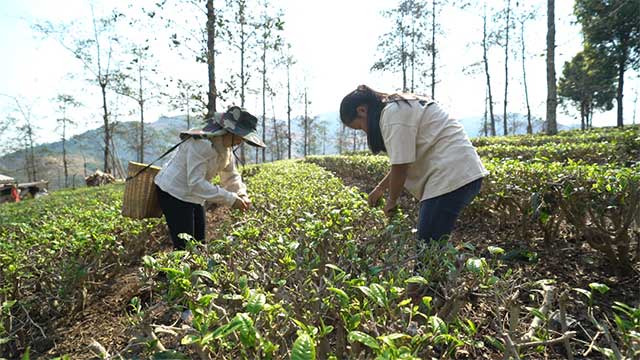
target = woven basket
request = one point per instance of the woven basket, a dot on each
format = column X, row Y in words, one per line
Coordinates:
column 140, row 196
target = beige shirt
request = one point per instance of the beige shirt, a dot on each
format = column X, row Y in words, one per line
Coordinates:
column 441, row 156
column 187, row 174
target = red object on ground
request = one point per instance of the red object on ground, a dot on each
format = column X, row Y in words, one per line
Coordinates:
column 15, row 194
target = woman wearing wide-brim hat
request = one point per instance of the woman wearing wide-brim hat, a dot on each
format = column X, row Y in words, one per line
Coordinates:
column 184, row 182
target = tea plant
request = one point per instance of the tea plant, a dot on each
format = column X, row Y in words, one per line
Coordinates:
column 52, row 251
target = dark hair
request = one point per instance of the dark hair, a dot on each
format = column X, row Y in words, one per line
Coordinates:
column 375, row 102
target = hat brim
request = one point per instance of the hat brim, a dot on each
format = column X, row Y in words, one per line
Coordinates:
column 250, row 136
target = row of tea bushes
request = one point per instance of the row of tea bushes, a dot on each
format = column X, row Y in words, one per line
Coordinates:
column 51, row 251
column 600, row 202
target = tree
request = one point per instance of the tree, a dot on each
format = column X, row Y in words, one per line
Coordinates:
column 400, row 46
column 212, row 94
column 507, row 29
column 239, row 34
column 289, row 62
column 306, row 124
column 65, row 103
column 552, row 101
column 135, row 83
column 588, row 81
column 24, row 134
column 269, row 25
column 189, row 97
column 486, row 43
column 96, row 53
column 612, row 26
column 197, row 41
column 524, row 16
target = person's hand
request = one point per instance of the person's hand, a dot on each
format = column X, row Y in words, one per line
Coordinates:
column 246, row 200
column 241, row 204
column 389, row 207
column 374, row 196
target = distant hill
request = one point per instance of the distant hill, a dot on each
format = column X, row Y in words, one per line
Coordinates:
column 85, row 151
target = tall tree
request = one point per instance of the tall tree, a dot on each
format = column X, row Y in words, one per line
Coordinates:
column 507, row 30
column 25, row 134
column 65, row 103
column 613, row 27
column 269, row 25
column 212, row 94
column 135, row 82
column 289, row 62
column 524, row 16
column 552, row 100
column 486, row 43
column 306, row 122
column 402, row 47
column 96, row 53
column 240, row 33
column 196, row 37
column 588, row 81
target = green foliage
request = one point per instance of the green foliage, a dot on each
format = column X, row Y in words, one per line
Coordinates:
column 596, row 135
column 53, row 248
column 588, row 81
column 538, row 196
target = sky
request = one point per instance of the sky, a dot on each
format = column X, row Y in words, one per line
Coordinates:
column 333, row 41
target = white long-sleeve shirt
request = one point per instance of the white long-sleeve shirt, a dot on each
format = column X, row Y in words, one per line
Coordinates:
column 187, row 174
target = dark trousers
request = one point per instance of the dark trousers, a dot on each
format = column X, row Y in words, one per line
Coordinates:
column 182, row 217
column 438, row 215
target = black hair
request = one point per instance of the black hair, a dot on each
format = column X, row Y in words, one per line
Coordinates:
column 375, row 102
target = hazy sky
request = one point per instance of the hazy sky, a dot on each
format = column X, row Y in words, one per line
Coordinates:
column 334, row 42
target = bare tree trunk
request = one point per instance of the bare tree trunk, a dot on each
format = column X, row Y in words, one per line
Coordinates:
column 141, row 104
column 212, row 94
column 485, row 125
column 403, row 57
column 621, row 69
column 583, row 116
column 32, row 155
column 324, row 141
column 289, row 109
column 306, row 125
column 264, row 91
column 433, row 49
column 635, row 107
column 413, row 56
column 355, row 140
column 506, row 69
column 243, row 41
column 524, row 80
column 107, row 131
column 275, row 134
column 486, row 71
column 552, row 100
column 64, row 147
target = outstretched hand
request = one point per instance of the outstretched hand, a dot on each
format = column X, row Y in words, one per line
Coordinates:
column 375, row 196
column 242, row 203
column 390, row 207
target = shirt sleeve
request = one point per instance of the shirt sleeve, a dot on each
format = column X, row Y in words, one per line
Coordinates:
column 400, row 141
column 231, row 179
column 197, row 156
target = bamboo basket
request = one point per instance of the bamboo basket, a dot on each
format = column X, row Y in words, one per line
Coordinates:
column 140, row 196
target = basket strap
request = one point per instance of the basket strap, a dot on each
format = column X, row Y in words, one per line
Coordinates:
column 161, row 156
